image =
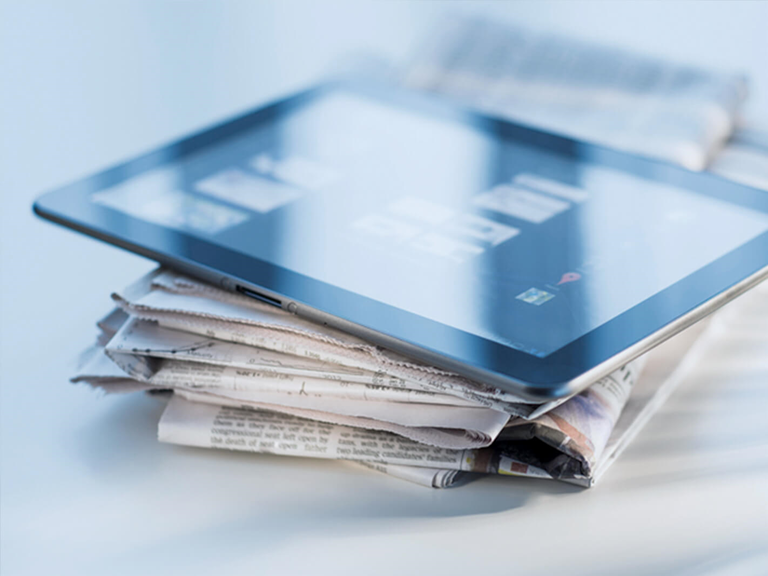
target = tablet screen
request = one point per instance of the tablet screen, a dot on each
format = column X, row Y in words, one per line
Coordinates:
column 449, row 220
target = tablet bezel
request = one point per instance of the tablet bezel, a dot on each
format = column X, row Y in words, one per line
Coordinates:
column 562, row 372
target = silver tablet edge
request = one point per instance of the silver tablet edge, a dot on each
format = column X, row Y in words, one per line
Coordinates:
column 524, row 389
column 521, row 388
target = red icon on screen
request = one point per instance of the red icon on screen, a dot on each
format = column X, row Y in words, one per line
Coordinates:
column 569, row 277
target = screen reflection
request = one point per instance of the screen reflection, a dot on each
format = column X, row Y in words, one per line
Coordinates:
column 451, row 221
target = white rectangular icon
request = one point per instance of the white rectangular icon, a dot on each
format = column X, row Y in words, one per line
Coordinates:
column 559, row 189
column 479, row 228
column 420, row 210
column 520, row 203
column 172, row 208
column 446, row 247
column 386, row 227
column 254, row 192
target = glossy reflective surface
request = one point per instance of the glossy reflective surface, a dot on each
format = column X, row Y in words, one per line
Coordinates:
column 490, row 243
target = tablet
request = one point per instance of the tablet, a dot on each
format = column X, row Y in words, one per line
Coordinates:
column 526, row 260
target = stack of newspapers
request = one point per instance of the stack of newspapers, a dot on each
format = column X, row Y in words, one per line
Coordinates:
column 247, row 376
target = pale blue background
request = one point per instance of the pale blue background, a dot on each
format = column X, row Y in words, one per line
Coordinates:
column 85, row 488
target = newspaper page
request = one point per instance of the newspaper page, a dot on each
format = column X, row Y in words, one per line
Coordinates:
column 194, row 423
column 191, row 423
column 480, row 431
column 215, row 426
column 616, row 98
column 482, row 424
column 514, row 456
column 95, row 368
column 578, row 428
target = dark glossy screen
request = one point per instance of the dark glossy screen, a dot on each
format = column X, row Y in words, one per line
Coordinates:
column 448, row 220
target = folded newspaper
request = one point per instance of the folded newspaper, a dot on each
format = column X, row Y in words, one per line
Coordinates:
column 248, row 376
column 621, row 99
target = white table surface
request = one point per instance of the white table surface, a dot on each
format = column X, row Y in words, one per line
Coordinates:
column 85, row 488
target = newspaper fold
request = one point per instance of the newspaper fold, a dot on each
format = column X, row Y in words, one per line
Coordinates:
column 228, row 392
column 101, row 372
column 428, row 477
column 532, row 454
column 559, row 440
column 260, row 369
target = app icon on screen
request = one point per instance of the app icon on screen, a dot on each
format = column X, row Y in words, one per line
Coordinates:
column 535, row 296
